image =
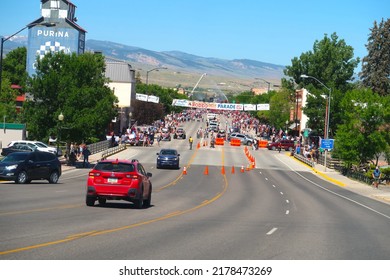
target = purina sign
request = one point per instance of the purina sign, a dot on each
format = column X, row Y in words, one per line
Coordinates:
column 43, row 40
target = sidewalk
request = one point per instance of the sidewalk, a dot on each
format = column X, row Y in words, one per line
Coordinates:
column 93, row 159
column 381, row 194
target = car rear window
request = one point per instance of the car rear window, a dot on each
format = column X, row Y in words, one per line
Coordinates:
column 114, row 167
column 168, row 152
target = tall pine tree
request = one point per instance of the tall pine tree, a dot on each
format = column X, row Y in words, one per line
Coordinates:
column 376, row 65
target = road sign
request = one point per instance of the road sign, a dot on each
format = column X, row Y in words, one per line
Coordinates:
column 327, row 144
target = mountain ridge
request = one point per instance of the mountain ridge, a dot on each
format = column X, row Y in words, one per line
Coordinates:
column 177, row 60
column 242, row 68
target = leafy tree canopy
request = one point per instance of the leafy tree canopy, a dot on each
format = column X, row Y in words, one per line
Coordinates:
column 365, row 131
column 166, row 96
column 14, row 67
column 74, row 85
column 376, row 65
column 332, row 63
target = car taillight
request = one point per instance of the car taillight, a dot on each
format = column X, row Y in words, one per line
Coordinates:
column 94, row 174
column 132, row 176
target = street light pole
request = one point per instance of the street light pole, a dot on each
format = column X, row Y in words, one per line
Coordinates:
column 9, row 37
column 327, row 118
column 60, row 119
column 154, row 69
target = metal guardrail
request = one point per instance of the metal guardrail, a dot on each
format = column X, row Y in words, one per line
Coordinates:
column 99, row 146
column 113, row 150
column 304, row 160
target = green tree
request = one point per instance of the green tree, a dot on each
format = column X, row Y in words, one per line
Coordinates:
column 365, row 133
column 14, row 73
column 147, row 112
column 14, row 67
column 331, row 62
column 166, row 96
column 279, row 109
column 376, row 65
column 74, row 85
column 7, row 102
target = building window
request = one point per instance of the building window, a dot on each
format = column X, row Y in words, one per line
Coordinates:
column 55, row 4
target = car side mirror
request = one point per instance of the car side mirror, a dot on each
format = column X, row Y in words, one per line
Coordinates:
column 158, row 154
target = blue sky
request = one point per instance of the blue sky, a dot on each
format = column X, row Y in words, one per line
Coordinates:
column 268, row 31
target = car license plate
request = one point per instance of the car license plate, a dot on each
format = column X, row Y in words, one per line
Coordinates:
column 112, row 180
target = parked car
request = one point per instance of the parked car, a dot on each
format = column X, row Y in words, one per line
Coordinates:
column 36, row 145
column 168, row 158
column 287, row 145
column 23, row 167
column 245, row 139
column 17, row 148
column 114, row 179
column 165, row 134
column 180, row 133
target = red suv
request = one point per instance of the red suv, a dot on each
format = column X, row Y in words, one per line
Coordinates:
column 119, row 180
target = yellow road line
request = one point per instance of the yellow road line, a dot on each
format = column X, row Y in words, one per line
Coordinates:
column 101, row 232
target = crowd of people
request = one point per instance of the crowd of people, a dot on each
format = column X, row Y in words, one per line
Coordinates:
column 229, row 122
column 78, row 153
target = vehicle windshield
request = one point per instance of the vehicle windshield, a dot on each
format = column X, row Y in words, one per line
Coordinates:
column 114, row 167
column 168, row 152
column 40, row 144
column 15, row 157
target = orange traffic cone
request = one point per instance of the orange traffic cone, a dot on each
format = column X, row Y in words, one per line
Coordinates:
column 206, row 171
column 223, row 170
column 247, row 168
column 232, row 169
column 242, row 169
column 185, row 170
column 198, row 146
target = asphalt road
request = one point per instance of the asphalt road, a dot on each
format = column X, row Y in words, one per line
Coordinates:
column 277, row 211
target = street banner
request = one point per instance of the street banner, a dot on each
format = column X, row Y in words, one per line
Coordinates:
column 153, row 99
column 141, row 97
column 262, row 107
column 249, row 107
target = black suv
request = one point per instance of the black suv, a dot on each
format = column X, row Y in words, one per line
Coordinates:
column 23, row 167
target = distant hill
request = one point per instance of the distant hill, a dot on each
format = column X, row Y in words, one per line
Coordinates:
column 239, row 68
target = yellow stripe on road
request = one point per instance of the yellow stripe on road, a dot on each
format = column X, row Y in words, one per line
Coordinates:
column 101, row 232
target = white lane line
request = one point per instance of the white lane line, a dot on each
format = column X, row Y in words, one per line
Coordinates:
column 272, row 231
column 266, row 179
column 334, row 193
column 281, row 193
column 287, row 201
column 274, row 186
column 287, row 212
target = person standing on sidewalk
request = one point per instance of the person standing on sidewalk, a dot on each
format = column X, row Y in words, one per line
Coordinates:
column 190, row 140
column 86, row 154
column 377, row 176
